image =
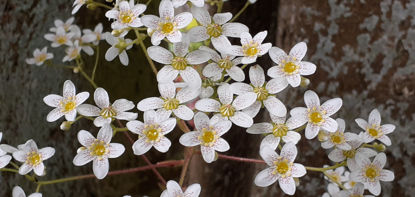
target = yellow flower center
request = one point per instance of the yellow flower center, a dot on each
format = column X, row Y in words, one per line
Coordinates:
column 108, row 112
column 315, row 117
column 121, row 45
column 290, row 68
column 372, row 172
column 41, row 57
column 250, row 49
column 225, row 64
column 179, row 63
column 61, row 39
column 282, row 167
column 170, row 104
column 349, row 153
column 280, row 130
column 167, row 28
column 337, row 138
column 68, row 105
column 262, row 93
column 374, row 131
column 214, row 30
column 98, row 148
column 227, row 110
column 208, row 137
column 126, row 17
column 74, row 53
column 152, row 132
column 34, row 158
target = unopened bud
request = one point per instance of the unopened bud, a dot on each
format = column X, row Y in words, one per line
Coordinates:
column 76, row 70
column 380, row 147
column 66, row 125
column 304, row 82
column 91, row 6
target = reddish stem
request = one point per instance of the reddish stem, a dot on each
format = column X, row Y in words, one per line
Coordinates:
column 240, row 159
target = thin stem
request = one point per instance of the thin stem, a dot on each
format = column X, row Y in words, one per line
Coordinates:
column 241, row 11
column 88, row 78
column 9, row 170
column 326, row 168
column 121, row 129
column 150, row 61
column 96, row 64
column 187, row 159
column 38, row 187
column 240, row 159
column 220, row 6
column 148, row 2
column 335, row 181
column 102, row 5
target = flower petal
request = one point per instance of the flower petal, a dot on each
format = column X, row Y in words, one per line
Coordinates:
column 329, row 125
column 105, row 134
column 276, row 85
column 85, row 138
column 270, row 141
column 256, row 76
column 242, row 119
column 374, row 117
column 115, row 150
column 260, row 128
column 100, row 167
column 201, row 121
column 190, row 139
column 298, row 51
column 160, row 54
column 191, row 76
column 266, row 178
column 307, row 68
column 234, row 29
column 183, row 112
column 166, row 9
column 332, row 106
column 207, row 105
column 54, row 115
column 221, row 145
column 141, row 146
column 52, row 100
column 244, row 100
column 277, row 55
column 88, row 110
column 275, row 106
column 311, row 99
column 183, row 19
column 208, row 154
column 167, row 74
column 311, row 131
column 287, row 185
column 197, row 57
column 236, row 73
column 150, row 103
column 163, row 145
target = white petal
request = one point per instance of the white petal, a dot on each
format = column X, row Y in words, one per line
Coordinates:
column 191, row 76
column 4, row 160
column 246, row 38
column 374, row 188
column 298, row 170
column 385, row 140
column 311, row 131
column 276, row 85
column 289, row 151
column 221, row 145
column 19, row 155
column 163, row 145
column 167, row 74
column 183, row 19
column 123, row 58
column 180, row 49
column 201, row 15
column 201, row 121
column 39, row 169
column 222, row 18
column 275, row 106
column 198, row 34
column 88, row 110
column 141, row 146
column 101, row 98
column 311, row 99
column 208, row 154
column 266, row 178
column 260, row 128
column 222, row 126
column 121, row 105
column 52, row 100
column 242, row 119
column 380, row 160
column 54, row 115
column 336, row 155
column 167, row 90
column 236, row 73
column 253, row 109
column 105, row 134
column 198, row 57
column 100, row 167
column 183, row 112
column 387, row 175
column 18, row 192
column 135, row 126
column 307, row 68
column 362, row 123
column 256, row 76
column 150, row 21
column 291, row 137
column 25, row 168
column 211, row 70
column 329, row 125
column 193, row 189
column 111, row 53
column 207, row 105
column 47, row 152
column 156, row 37
column 150, row 103
column 244, row 100
column 166, row 9
column 168, row 125
column 298, row 51
column 234, row 29
column 68, row 89
column 268, row 155
column 225, row 94
column 160, row 54
column 374, row 117
column 190, row 139
column 115, row 150
column 298, row 117
column 387, row 128
column 101, row 121
column 270, row 141
column 174, row 37
column 187, row 94
column 239, row 88
column 332, row 106
column 222, row 44
column 277, row 55
column 173, row 188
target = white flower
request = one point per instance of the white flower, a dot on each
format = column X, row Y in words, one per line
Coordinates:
column 281, row 168
column 357, row 191
column 167, row 25
column 93, row 36
column 65, row 105
column 332, row 190
column 152, row 132
column 178, row 63
column 60, row 24
column 77, row 4
column 77, row 37
column 336, row 176
column 72, row 52
column 215, row 27
column 278, row 130
column 119, row 47
column 227, row 107
column 258, row 86
column 32, row 157
column 18, row 192
column 4, row 158
column 61, row 37
column 126, row 15
column 338, row 155
column 173, row 190
column 197, row 3
column 339, row 138
column 208, row 135
column 105, row 111
column 170, row 102
column 251, row 47
column 370, row 173
column 289, row 68
column 39, row 56
column 97, row 150
column 221, row 63
column 315, row 115
column 373, row 130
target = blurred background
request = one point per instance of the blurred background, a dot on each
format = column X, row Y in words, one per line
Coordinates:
column 364, row 52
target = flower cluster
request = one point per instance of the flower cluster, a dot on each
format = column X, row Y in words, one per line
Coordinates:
column 201, row 84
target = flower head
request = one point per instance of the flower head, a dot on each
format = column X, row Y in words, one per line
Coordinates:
column 65, row 25
column 373, row 130
column 227, row 107
column 339, row 155
column 173, row 190
column 222, row 63
column 315, row 115
column 32, row 157
column 289, row 67
column 40, row 56
column 152, row 132
column 65, row 105
column 119, row 47
column 356, row 191
column 167, row 25
column 4, row 158
column 126, row 14
column 251, row 48
column 208, row 135
column 370, row 173
column 281, row 168
column 97, row 150
column 107, row 112
column 73, row 51
column 339, row 138
column 93, row 36
column 61, row 37
column 278, row 130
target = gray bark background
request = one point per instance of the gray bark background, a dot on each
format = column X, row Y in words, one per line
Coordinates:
column 363, row 51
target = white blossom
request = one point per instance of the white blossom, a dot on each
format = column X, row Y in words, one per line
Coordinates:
column 315, row 115
column 251, row 48
column 173, row 189
column 339, row 138
column 60, row 24
column 126, row 14
column 72, row 52
column 289, row 68
column 65, row 105
column 93, row 36
column 222, row 63
column 33, row 158
column 119, row 47
column 227, row 107
column 18, row 192
column 97, row 150
column 208, row 135
column 61, row 37
column 107, row 112
column 152, row 132
column 4, row 158
column 357, row 191
column 39, row 56
column 338, row 155
column 373, row 130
